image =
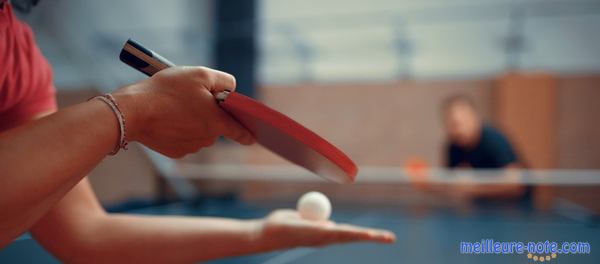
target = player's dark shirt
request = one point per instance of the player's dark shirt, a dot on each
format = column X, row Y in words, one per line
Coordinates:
column 492, row 151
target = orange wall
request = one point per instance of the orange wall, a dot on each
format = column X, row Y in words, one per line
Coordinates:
column 579, row 122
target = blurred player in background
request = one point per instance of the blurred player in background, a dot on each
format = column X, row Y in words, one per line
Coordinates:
column 477, row 145
column 473, row 144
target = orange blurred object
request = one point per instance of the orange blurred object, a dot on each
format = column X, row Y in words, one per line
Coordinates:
column 416, row 169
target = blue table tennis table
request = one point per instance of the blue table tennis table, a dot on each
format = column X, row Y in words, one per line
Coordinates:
column 431, row 236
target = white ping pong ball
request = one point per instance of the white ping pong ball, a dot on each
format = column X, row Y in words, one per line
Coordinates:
column 314, row 206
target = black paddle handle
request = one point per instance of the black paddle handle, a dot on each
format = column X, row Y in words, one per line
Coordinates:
column 149, row 62
column 142, row 58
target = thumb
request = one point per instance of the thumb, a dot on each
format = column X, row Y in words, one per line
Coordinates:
column 221, row 81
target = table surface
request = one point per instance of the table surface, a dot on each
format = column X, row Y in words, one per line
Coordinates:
column 433, row 236
column 424, row 236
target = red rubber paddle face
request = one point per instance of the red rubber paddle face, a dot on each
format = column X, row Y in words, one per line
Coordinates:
column 290, row 140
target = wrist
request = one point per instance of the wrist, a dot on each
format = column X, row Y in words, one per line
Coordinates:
column 128, row 99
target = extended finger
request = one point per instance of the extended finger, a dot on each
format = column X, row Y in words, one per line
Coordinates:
column 349, row 233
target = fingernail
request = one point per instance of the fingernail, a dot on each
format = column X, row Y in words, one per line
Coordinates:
column 391, row 238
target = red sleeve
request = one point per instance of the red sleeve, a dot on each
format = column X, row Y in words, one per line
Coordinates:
column 26, row 87
column 41, row 93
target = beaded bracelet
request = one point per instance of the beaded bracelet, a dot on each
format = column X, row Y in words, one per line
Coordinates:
column 112, row 103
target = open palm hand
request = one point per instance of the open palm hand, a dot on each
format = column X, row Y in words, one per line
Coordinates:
column 285, row 229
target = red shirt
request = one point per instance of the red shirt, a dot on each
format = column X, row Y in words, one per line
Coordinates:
column 26, row 87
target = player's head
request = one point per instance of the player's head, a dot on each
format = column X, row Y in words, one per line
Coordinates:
column 461, row 120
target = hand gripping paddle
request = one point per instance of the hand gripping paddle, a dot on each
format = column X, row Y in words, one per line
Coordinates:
column 273, row 130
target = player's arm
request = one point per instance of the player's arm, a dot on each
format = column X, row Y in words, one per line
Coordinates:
column 471, row 190
column 508, row 190
column 173, row 112
column 78, row 230
column 505, row 159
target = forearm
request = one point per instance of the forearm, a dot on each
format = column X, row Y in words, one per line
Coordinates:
column 510, row 189
column 150, row 239
column 497, row 191
column 45, row 158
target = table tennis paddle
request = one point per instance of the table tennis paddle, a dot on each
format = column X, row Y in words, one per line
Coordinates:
column 272, row 129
